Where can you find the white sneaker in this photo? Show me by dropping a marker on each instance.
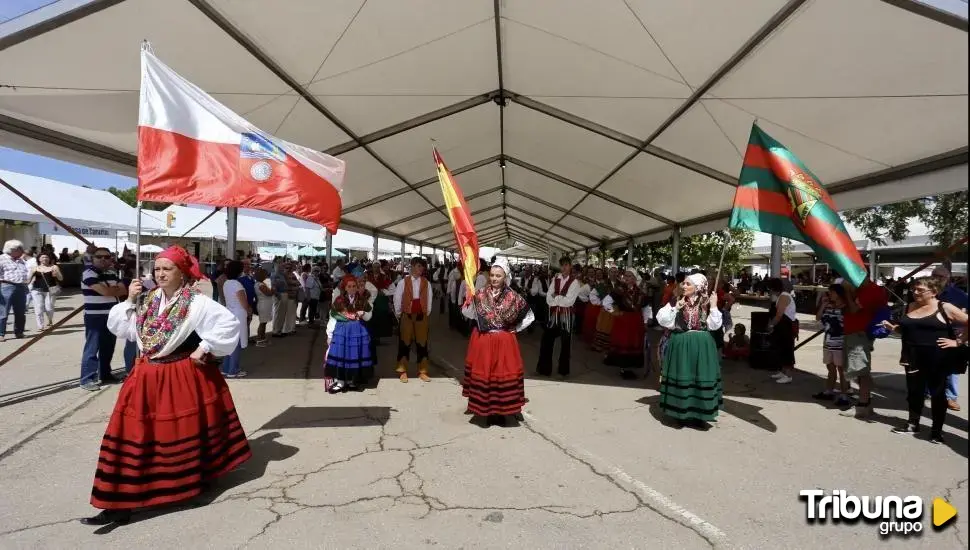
(778, 375)
(784, 379)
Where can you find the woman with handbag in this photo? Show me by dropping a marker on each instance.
(45, 281)
(934, 353)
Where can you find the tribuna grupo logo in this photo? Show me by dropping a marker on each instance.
(894, 515)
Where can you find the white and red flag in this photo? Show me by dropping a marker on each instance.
(193, 149)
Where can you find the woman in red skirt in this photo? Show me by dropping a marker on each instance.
(626, 304)
(174, 427)
(594, 307)
(495, 379)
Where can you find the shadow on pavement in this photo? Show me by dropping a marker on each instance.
(329, 417)
(265, 450)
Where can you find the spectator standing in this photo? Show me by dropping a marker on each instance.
(101, 289)
(13, 288)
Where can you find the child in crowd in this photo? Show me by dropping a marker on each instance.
(830, 314)
(349, 364)
(738, 347)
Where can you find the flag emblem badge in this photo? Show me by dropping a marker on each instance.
(257, 154)
(803, 194)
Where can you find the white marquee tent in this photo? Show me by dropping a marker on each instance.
(567, 123)
(80, 207)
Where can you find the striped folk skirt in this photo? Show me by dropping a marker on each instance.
(691, 386)
(173, 429)
(494, 380)
(604, 330)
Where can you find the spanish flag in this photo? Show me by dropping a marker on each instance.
(461, 222)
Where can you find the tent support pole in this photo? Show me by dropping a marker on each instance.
(70, 230)
(232, 217)
(329, 251)
(202, 221)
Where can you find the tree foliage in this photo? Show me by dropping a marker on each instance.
(888, 222)
(944, 215)
(703, 251)
(130, 196)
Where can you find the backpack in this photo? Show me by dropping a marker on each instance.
(875, 330)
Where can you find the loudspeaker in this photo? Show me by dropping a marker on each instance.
(762, 355)
(759, 321)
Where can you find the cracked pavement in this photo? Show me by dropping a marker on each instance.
(401, 466)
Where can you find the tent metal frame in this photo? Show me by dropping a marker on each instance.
(501, 96)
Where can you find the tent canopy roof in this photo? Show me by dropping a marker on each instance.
(567, 123)
(75, 205)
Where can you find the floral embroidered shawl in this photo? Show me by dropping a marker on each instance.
(342, 310)
(500, 312)
(156, 325)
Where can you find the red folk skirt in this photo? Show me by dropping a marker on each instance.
(626, 340)
(173, 428)
(590, 316)
(494, 376)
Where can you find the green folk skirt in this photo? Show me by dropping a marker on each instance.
(690, 388)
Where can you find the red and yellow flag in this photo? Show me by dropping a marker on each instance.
(461, 222)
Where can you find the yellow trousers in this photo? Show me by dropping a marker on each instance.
(414, 331)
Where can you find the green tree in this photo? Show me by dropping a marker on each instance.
(787, 249)
(702, 250)
(888, 222)
(130, 196)
(944, 215)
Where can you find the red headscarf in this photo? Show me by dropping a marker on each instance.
(185, 262)
(347, 280)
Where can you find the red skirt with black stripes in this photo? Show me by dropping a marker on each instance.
(174, 428)
(494, 376)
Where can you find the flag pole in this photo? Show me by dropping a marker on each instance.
(720, 264)
(138, 241)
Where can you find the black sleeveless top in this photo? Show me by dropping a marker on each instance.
(923, 331)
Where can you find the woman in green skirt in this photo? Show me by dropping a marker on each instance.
(690, 390)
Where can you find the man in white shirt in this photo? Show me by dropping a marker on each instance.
(536, 287)
(560, 300)
(412, 306)
(454, 313)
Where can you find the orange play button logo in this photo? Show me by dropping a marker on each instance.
(943, 512)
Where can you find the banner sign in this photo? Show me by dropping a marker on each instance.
(48, 228)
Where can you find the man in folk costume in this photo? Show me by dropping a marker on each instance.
(412, 306)
(454, 282)
(561, 298)
(536, 287)
(441, 282)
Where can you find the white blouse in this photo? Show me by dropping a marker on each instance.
(647, 311)
(216, 326)
(584, 292)
(667, 318)
(594, 298)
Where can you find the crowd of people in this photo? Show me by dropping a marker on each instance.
(182, 344)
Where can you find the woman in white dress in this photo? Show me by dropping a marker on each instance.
(264, 305)
(237, 302)
(174, 427)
